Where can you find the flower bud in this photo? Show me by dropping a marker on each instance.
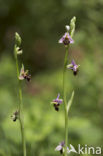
(17, 39)
(72, 26)
(67, 28)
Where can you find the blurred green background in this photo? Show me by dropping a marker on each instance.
(41, 24)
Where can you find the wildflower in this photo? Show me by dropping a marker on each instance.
(24, 74)
(60, 147)
(56, 102)
(14, 117)
(74, 67)
(19, 51)
(66, 39)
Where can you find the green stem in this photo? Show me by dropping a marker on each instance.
(64, 98)
(20, 106)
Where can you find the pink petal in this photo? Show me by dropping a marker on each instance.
(58, 148)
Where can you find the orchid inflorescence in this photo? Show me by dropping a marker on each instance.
(21, 75)
(24, 74)
(66, 40)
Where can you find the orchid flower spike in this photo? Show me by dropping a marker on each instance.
(24, 74)
(74, 67)
(57, 102)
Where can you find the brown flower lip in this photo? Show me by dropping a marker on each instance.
(15, 115)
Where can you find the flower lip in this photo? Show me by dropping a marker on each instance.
(66, 39)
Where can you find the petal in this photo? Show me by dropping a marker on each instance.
(66, 34)
(68, 150)
(60, 101)
(71, 40)
(58, 96)
(53, 102)
(22, 69)
(21, 77)
(73, 63)
(75, 68)
(70, 66)
(62, 143)
(61, 40)
(57, 101)
(58, 148)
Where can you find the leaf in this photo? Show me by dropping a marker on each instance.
(70, 102)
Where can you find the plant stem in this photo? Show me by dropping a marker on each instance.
(64, 98)
(20, 106)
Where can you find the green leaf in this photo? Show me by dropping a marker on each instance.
(70, 102)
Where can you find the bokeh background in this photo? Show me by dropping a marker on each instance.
(41, 24)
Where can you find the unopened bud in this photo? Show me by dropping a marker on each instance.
(67, 28)
(72, 26)
(17, 39)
